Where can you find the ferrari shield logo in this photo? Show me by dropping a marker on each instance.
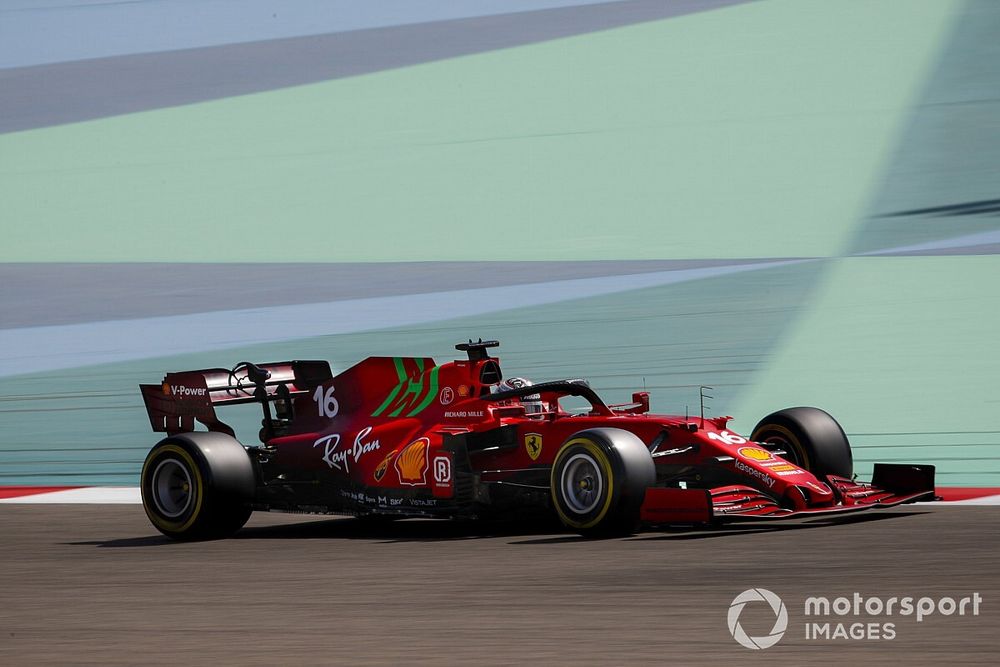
(533, 445)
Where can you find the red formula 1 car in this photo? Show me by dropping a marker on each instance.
(406, 437)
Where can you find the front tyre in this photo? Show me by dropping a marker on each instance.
(197, 486)
(811, 438)
(599, 479)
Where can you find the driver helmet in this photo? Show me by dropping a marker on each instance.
(532, 403)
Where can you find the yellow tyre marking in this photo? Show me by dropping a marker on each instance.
(790, 437)
(602, 460)
(199, 487)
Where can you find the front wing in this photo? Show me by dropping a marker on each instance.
(891, 485)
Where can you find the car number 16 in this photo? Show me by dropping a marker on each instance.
(326, 402)
(727, 437)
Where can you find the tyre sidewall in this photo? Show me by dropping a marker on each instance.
(815, 437)
(604, 463)
(188, 521)
(624, 460)
(220, 503)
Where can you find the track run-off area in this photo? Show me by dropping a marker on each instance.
(96, 584)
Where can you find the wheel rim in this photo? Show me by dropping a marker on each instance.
(172, 488)
(791, 452)
(582, 484)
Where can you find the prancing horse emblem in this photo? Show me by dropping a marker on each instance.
(533, 444)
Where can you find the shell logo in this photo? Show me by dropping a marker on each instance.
(756, 453)
(411, 463)
(166, 389)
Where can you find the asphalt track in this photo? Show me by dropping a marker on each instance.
(95, 584)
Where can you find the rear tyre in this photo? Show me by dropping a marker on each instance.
(197, 486)
(812, 439)
(599, 479)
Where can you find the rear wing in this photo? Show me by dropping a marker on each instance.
(189, 396)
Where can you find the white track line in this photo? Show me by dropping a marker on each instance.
(95, 495)
(984, 500)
